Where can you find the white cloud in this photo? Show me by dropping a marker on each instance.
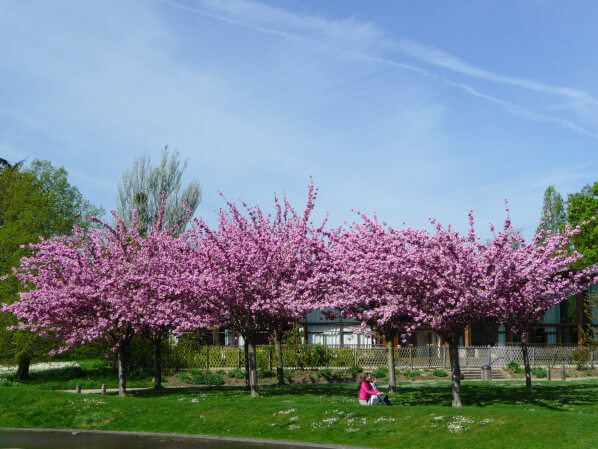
(363, 41)
(439, 58)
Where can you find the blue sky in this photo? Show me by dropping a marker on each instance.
(408, 109)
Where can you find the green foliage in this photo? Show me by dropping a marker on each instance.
(201, 378)
(553, 211)
(540, 373)
(305, 356)
(355, 370)
(342, 376)
(411, 373)
(325, 374)
(513, 367)
(37, 201)
(581, 356)
(335, 376)
(582, 206)
(380, 372)
(322, 355)
(142, 186)
(265, 373)
(439, 373)
(236, 374)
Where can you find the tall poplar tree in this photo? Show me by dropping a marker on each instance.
(142, 189)
(553, 216)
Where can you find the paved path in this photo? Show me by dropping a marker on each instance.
(115, 390)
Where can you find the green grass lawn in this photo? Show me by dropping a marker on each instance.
(91, 373)
(495, 415)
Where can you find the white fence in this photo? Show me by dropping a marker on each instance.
(374, 356)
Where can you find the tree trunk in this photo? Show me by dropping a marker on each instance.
(23, 368)
(528, 371)
(390, 358)
(246, 365)
(455, 371)
(121, 357)
(157, 363)
(278, 355)
(253, 385)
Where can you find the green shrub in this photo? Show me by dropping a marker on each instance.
(411, 373)
(321, 355)
(581, 356)
(588, 373)
(380, 372)
(265, 372)
(325, 374)
(540, 373)
(355, 370)
(342, 376)
(236, 374)
(201, 379)
(342, 357)
(209, 379)
(512, 366)
(439, 373)
(185, 377)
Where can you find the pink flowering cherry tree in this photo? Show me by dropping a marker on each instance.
(447, 287)
(165, 290)
(259, 270)
(532, 277)
(108, 284)
(367, 280)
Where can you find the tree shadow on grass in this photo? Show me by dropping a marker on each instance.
(348, 390)
(555, 396)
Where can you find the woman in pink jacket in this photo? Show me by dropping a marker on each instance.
(368, 395)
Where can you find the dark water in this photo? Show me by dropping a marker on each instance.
(55, 439)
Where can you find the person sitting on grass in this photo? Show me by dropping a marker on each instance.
(368, 395)
(382, 398)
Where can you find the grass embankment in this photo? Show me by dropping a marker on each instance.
(495, 415)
